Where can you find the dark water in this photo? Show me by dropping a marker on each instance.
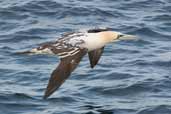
(133, 77)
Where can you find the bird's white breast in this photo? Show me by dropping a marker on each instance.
(91, 41)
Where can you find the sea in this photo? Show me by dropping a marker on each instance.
(132, 77)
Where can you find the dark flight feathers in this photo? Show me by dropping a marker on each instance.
(69, 63)
(98, 30)
(94, 56)
(66, 66)
(63, 71)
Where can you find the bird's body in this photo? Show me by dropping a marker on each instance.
(71, 48)
(70, 43)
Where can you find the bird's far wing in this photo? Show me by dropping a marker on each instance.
(96, 30)
(94, 56)
(62, 72)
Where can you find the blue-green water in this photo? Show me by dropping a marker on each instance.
(132, 77)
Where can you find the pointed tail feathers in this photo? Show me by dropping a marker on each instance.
(30, 52)
(25, 52)
(37, 51)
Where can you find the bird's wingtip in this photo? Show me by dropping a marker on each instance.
(92, 66)
(47, 94)
(45, 97)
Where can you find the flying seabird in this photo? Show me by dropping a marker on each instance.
(71, 47)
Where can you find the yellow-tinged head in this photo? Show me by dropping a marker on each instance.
(112, 36)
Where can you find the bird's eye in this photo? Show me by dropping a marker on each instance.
(120, 35)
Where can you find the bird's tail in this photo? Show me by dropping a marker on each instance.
(29, 52)
(44, 48)
(38, 50)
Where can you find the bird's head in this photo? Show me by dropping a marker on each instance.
(112, 36)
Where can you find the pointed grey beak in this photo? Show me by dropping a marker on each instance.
(128, 37)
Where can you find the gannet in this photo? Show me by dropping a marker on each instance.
(71, 47)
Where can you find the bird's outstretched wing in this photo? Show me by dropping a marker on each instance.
(63, 71)
(94, 56)
(96, 30)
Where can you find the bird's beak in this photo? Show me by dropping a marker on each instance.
(128, 37)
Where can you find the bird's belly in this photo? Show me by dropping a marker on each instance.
(92, 45)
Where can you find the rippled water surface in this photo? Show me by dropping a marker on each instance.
(132, 77)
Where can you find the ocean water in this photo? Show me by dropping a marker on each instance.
(132, 77)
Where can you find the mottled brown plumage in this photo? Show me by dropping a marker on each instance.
(71, 48)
